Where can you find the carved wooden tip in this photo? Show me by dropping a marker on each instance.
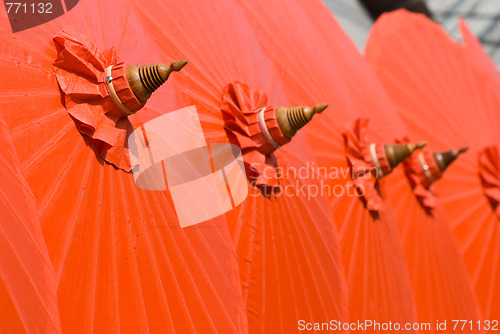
(445, 159)
(420, 145)
(319, 108)
(291, 120)
(398, 153)
(177, 65)
(144, 80)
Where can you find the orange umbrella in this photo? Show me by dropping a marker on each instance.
(290, 265)
(439, 279)
(122, 263)
(27, 280)
(318, 62)
(448, 94)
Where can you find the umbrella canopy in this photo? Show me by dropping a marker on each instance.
(122, 263)
(440, 282)
(27, 281)
(448, 94)
(318, 62)
(290, 265)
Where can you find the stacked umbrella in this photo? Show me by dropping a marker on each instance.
(448, 93)
(121, 261)
(117, 250)
(328, 68)
(285, 240)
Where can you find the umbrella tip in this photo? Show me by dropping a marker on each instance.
(420, 145)
(398, 153)
(146, 79)
(319, 108)
(445, 159)
(291, 120)
(463, 150)
(177, 65)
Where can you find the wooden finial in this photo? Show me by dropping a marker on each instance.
(400, 152)
(144, 80)
(444, 159)
(290, 120)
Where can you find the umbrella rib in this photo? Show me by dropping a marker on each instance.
(490, 235)
(41, 118)
(48, 197)
(25, 270)
(164, 253)
(473, 233)
(330, 227)
(494, 269)
(75, 213)
(19, 218)
(300, 233)
(365, 226)
(114, 251)
(251, 241)
(220, 271)
(126, 208)
(97, 237)
(344, 232)
(43, 152)
(263, 254)
(285, 238)
(202, 268)
(373, 231)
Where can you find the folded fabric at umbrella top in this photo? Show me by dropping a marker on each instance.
(100, 93)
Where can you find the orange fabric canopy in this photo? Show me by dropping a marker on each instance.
(448, 94)
(319, 64)
(27, 281)
(287, 245)
(122, 263)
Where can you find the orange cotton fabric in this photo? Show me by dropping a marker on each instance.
(240, 107)
(80, 71)
(419, 182)
(489, 172)
(363, 169)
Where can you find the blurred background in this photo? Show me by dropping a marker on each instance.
(482, 16)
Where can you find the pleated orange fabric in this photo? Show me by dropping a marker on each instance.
(318, 62)
(450, 98)
(80, 71)
(122, 263)
(241, 107)
(364, 170)
(28, 286)
(489, 172)
(290, 264)
(421, 180)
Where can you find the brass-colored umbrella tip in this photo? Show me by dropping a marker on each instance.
(291, 120)
(420, 145)
(319, 108)
(177, 65)
(417, 146)
(146, 79)
(445, 159)
(463, 150)
(398, 153)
